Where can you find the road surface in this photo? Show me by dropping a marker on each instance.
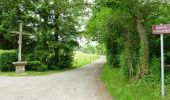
(78, 84)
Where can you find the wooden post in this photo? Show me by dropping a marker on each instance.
(76, 61)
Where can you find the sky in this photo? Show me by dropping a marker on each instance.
(90, 1)
(82, 40)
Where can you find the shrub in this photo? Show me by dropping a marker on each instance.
(155, 67)
(36, 66)
(6, 59)
(66, 60)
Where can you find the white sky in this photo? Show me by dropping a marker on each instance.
(82, 40)
(90, 1)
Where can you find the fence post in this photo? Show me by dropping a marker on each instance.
(76, 61)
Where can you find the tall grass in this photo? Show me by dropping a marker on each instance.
(121, 89)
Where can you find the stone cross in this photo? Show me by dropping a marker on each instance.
(19, 42)
(20, 65)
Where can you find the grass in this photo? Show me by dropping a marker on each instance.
(80, 59)
(121, 89)
(33, 73)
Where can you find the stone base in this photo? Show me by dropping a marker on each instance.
(19, 67)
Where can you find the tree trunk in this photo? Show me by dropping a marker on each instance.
(144, 47)
(128, 45)
(56, 36)
(56, 50)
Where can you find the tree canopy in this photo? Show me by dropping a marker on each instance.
(52, 23)
(124, 26)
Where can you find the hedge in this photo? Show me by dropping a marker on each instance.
(36, 66)
(6, 59)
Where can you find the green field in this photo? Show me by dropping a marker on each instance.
(121, 89)
(80, 59)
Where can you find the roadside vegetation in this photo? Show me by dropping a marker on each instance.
(133, 52)
(53, 27)
(80, 59)
(123, 89)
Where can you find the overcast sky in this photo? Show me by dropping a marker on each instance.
(82, 41)
(90, 1)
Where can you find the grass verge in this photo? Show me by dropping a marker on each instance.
(121, 89)
(34, 73)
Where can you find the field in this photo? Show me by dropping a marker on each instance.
(121, 89)
(80, 59)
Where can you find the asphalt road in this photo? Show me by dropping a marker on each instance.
(78, 84)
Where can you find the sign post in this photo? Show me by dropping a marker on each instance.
(162, 65)
(161, 29)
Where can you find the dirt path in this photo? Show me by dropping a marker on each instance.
(78, 84)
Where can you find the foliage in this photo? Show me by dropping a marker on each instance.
(155, 67)
(32, 67)
(53, 25)
(6, 59)
(36, 66)
(124, 26)
(125, 29)
(121, 89)
(100, 49)
(88, 49)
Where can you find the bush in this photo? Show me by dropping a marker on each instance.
(155, 67)
(36, 66)
(41, 68)
(51, 64)
(6, 59)
(66, 60)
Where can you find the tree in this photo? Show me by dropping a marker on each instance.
(53, 24)
(123, 26)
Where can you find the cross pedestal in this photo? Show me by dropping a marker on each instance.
(19, 67)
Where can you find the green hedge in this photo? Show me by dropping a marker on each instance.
(6, 59)
(36, 66)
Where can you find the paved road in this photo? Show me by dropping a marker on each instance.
(78, 84)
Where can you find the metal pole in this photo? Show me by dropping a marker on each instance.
(20, 43)
(162, 64)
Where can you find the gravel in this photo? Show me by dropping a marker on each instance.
(78, 84)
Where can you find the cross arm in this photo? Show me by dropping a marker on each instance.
(15, 32)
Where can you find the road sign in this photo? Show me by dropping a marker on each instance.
(161, 29)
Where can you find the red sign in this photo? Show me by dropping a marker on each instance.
(160, 29)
